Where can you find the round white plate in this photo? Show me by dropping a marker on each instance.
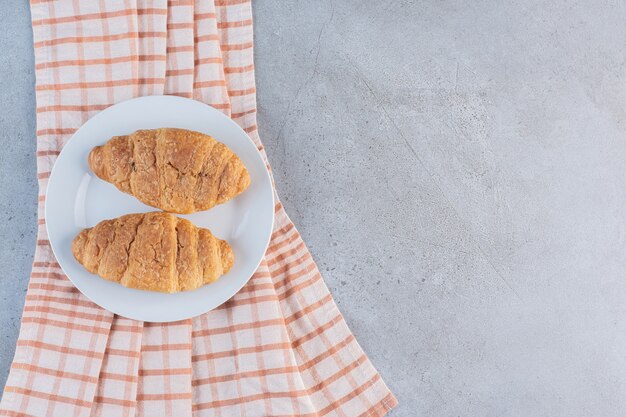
(77, 199)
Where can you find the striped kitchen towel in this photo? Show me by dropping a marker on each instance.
(280, 347)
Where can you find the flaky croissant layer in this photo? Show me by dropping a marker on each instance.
(153, 251)
(175, 170)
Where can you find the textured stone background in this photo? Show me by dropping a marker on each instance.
(458, 170)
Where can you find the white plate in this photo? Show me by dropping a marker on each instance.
(77, 199)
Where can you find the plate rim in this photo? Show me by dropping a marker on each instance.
(178, 99)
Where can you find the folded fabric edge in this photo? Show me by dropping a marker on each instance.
(382, 407)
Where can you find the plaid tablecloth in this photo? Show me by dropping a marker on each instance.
(280, 347)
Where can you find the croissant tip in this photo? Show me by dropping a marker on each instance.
(96, 161)
(78, 245)
(245, 180)
(228, 257)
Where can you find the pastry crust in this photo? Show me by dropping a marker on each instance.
(153, 251)
(175, 170)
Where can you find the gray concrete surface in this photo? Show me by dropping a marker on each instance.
(458, 170)
(18, 171)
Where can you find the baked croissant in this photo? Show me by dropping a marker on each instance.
(175, 170)
(153, 251)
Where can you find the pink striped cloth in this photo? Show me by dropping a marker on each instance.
(280, 347)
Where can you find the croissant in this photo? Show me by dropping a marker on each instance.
(153, 251)
(175, 170)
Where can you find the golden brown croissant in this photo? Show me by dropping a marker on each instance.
(153, 251)
(175, 170)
